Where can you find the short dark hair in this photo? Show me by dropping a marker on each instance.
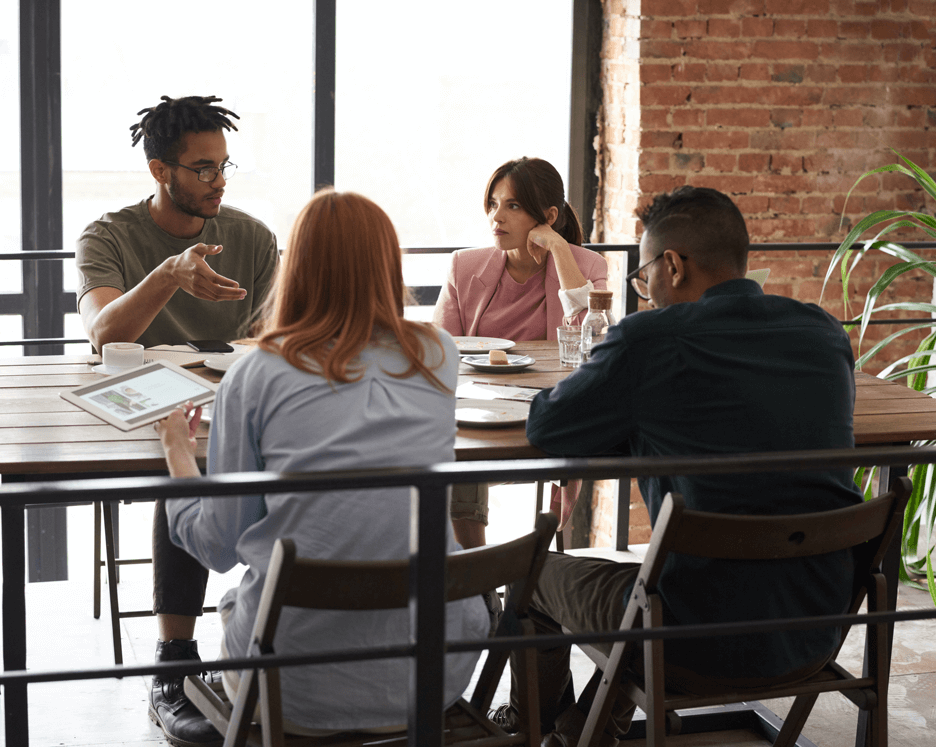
(705, 221)
(163, 125)
(538, 187)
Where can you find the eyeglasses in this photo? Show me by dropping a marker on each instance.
(639, 284)
(210, 173)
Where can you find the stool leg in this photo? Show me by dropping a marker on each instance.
(97, 560)
(110, 552)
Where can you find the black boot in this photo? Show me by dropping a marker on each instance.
(169, 708)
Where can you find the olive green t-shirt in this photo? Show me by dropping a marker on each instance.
(120, 249)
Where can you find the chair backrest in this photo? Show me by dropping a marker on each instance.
(868, 528)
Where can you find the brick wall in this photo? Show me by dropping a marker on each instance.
(782, 104)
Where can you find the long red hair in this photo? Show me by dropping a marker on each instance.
(341, 276)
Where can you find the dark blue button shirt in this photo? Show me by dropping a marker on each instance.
(737, 371)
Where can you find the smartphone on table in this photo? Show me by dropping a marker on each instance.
(210, 346)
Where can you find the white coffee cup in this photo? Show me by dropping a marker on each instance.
(122, 355)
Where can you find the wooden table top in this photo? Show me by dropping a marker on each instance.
(40, 433)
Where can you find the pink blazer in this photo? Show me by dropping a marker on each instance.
(473, 278)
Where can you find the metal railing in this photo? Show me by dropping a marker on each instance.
(428, 645)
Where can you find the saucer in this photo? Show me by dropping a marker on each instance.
(114, 370)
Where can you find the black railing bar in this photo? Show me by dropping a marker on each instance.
(703, 630)
(525, 470)
(46, 341)
(857, 322)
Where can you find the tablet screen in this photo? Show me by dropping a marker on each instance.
(143, 395)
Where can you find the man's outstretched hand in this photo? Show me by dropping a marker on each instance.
(193, 275)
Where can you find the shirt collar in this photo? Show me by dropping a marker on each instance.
(737, 287)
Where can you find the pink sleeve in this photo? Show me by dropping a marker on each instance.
(446, 314)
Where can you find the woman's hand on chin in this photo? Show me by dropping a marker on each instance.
(542, 239)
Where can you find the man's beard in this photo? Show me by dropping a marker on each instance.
(184, 202)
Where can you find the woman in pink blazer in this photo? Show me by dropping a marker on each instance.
(534, 278)
(535, 275)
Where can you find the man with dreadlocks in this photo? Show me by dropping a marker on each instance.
(176, 266)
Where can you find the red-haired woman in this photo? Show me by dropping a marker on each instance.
(534, 277)
(340, 381)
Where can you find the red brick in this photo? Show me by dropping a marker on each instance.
(854, 30)
(882, 29)
(717, 50)
(727, 184)
(657, 139)
(816, 204)
(752, 27)
(901, 52)
(691, 29)
(780, 162)
(654, 183)
(655, 119)
(797, 7)
(752, 204)
(784, 118)
(782, 183)
(692, 117)
(737, 118)
(706, 95)
(786, 50)
(691, 73)
(915, 74)
(788, 73)
(865, 9)
(853, 73)
(715, 140)
(885, 73)
(849, 117)
(773, 140)
(724, 162)
(724, 7)
(678, 8)
(791, 96)
(836, 51)
(688, 161)
(753, 71)
(850, 95)
(788, 27)
(821, 73)
(662, 95)
(920, 30)
(837, 182)
(754, 162)
(877, 116)
(652, 160)
(724, 28)
(836, 139)
(910, 96)
(655, 48)
(821, 28)
(655, 73)
(922, 8)
(652, 29)
(903, 140)
(913, 118)
(817, 117)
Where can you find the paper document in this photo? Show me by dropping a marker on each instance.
(474, 390)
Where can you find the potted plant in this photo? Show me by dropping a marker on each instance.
(916, 541)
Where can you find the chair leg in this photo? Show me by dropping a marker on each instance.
(795, 720)
(654, 679)
(111, 553)
(97, 560)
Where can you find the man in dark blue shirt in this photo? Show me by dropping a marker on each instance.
(715, 367)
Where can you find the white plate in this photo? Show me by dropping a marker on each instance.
(222, 363)
(481, 344)
(483, 363)
(481, 413)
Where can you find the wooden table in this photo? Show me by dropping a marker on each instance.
(42, 435)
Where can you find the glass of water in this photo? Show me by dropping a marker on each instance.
(570, 345)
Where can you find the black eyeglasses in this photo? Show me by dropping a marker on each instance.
(639, 284)
(210, 173)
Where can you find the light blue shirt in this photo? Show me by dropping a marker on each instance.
(270, 416)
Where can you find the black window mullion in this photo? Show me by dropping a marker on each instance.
(323, 104)
(41, 168)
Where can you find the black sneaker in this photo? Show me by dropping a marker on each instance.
(506, 718)
(170, 709)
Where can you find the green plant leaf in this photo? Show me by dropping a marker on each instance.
(865, 357)
(890, 274)
(921, 177)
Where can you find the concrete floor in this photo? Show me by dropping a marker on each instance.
(110, 713)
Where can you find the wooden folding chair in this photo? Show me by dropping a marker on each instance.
(336, 585)
(868, 528)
